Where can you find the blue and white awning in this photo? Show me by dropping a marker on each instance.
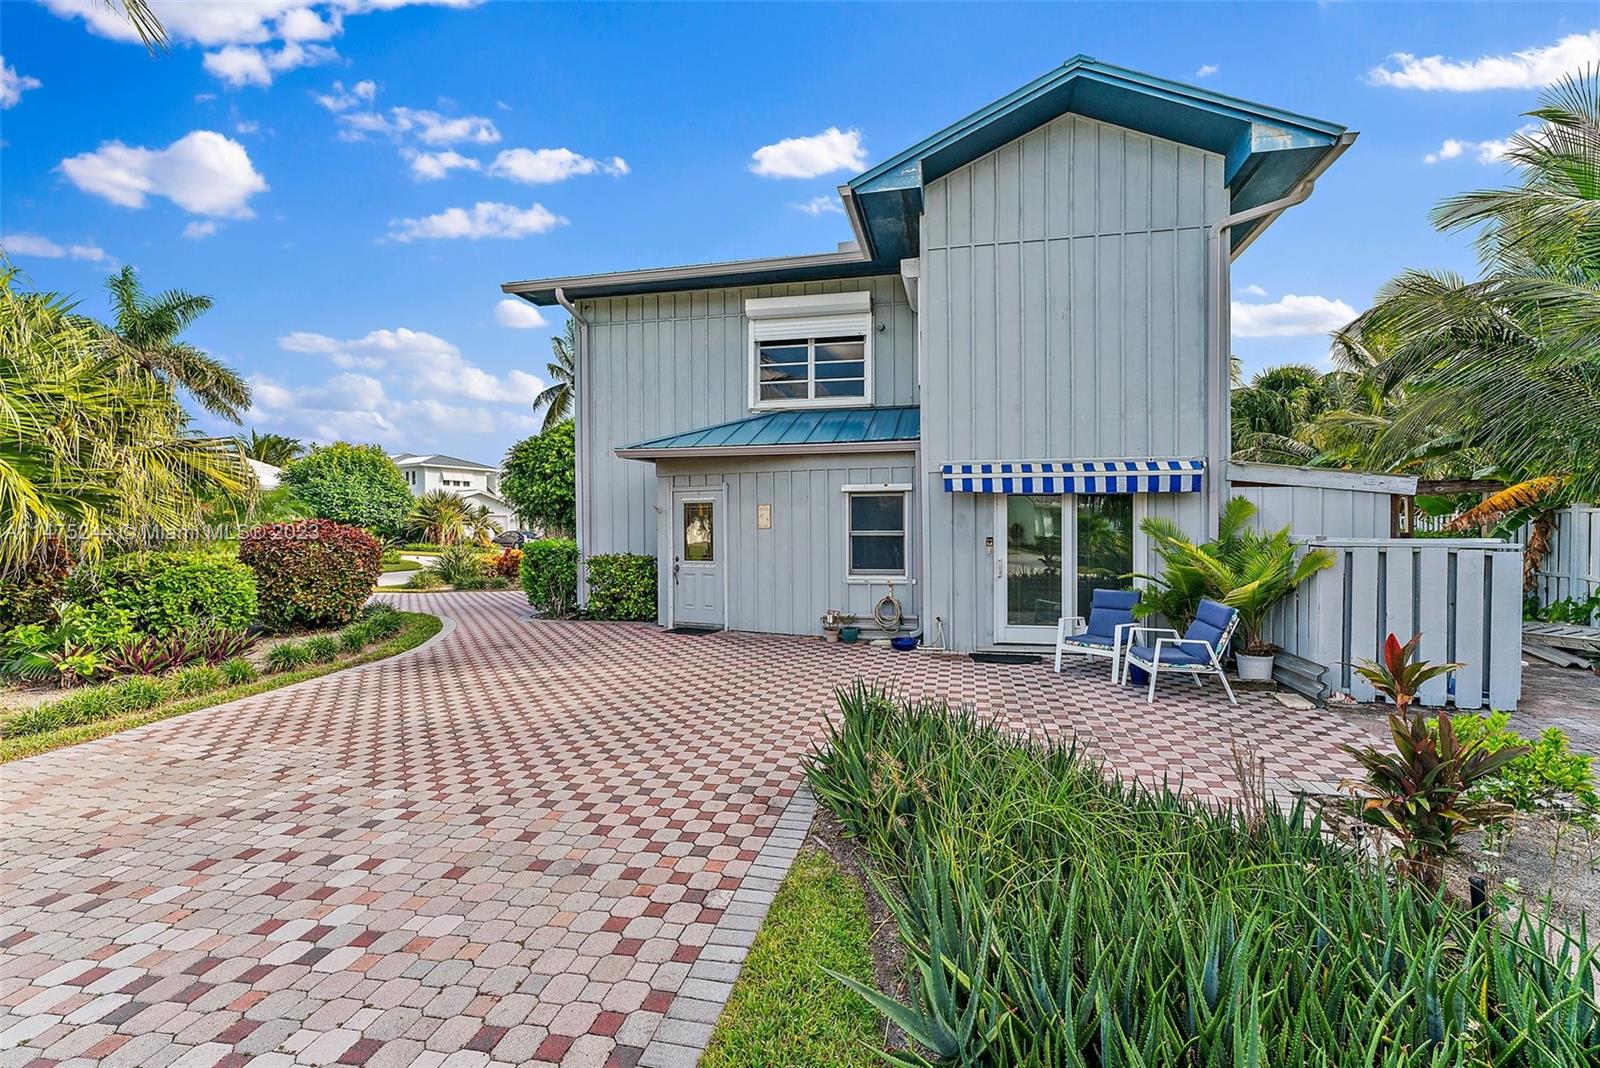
(1076, 476)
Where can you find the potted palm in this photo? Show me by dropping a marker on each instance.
(1242, 567)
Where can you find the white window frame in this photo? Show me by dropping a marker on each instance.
(887, 489)
(809, 317)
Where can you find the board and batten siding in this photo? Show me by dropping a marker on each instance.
(1062, 316)
(1318, 511)
(782, 579)
(671, 362)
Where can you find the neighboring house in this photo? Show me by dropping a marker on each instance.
(475, 482)
(267, 476)
(1023, 354)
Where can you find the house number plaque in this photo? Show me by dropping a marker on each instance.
(763, 517)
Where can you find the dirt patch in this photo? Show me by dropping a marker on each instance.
(888, 952)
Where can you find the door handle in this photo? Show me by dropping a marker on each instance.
(675, 565)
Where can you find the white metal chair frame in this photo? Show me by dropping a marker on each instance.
(1193, 670)
(1122, 636)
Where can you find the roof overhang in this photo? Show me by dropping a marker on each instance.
(1241, 473)
(696, 453)
(1266, 152)
(791, 431)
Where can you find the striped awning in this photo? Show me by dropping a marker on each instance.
(1076, 476)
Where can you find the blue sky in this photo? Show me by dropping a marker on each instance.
(351, 180)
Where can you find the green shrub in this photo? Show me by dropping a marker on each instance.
(622, 586)
(425, 579)
(168, 592)
(28, 593)
(137, 693)
(358, 485)
(382, 621)
(1054, 916)
(550, 575)
(312, 573)
(354, 638)
(238, 671)
(323, 648)
(196, 680)
(461, 566)
(289, 656)
(1550, 778)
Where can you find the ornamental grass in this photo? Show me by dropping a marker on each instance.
(1055, 916)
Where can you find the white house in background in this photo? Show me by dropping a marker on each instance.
(476, 483)
(267, 476)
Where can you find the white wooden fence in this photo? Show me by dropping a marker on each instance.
(1572, 566)
(1464, 596)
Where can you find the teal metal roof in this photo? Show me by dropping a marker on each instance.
(828, 430)
(1267, 152)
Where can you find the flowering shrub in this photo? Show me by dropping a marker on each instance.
(508, 564)
(311, 573)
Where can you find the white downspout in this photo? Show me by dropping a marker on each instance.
(1220, 336)
(578, 424)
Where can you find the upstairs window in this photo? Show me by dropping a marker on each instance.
(811, 352)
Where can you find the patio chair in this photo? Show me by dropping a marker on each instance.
(1198, 652)
(1104, 633)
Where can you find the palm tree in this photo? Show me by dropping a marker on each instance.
(556, 398)
(91, 446)
(439, 516)
(145, 330)
(481, 524)
(274, 449)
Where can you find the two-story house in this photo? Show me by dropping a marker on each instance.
(1022, 354)
(478, 484)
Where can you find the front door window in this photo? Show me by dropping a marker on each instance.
(699, 535)
(1033, 561)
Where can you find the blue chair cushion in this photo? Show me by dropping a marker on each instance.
(1211, 618)
(1107, 609)
(1170, 654)
(1099, 641)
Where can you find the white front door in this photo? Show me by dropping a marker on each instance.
(1051, 552)
(698, 546)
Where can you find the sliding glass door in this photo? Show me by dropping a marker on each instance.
(1052, 553)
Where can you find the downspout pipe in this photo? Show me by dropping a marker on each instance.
(1218, 341)
(579, 423)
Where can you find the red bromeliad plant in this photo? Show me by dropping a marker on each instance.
(1417, 791)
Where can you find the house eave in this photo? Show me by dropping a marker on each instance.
(805, 449)
(1243, 473)
(813, 267)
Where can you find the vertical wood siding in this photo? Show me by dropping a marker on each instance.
(672, 362)
(1062, 314)
(782, 579)
(1318, 512)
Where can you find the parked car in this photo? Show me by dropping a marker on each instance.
(513, 539)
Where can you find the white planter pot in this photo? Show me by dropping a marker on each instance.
(1253, 668)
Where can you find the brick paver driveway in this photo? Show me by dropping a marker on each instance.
(513, 845)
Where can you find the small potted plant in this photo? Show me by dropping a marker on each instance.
(835, 621)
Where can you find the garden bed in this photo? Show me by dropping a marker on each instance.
(415, 628)
(1053, 915)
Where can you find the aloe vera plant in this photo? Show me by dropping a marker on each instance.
(1056, 917)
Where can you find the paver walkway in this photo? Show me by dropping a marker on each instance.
(513, 845)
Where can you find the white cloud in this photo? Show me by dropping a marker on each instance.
(820, 206)
(1490, 151)
(202, 172)
(808, 157)
(1531, 68)
(13, 85)
(517, 314)
(428, 127)
(484, 219)
(417, 362)
(1254, 291)
(546, 165)
(241, 65)
(338, 98)
(1207, 70)
(43, 247)
(1290, 316)
(430, 166)
(241, 31)
(197, 230)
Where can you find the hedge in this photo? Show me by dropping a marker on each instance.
(312, 573)
(550, 575)
(165, 593)
(622, 586)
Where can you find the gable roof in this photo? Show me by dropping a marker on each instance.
(1267, 152)
(438, 459)
(812, 431)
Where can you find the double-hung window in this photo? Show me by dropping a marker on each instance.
(877, 532)
(811, 352)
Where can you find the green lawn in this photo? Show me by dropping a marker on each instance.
(403, 565)
(418, 629)
(785, 1011)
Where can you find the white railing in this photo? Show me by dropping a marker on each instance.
(1464, 596)
(1572, 566)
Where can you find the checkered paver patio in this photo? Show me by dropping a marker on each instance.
(524, 843)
